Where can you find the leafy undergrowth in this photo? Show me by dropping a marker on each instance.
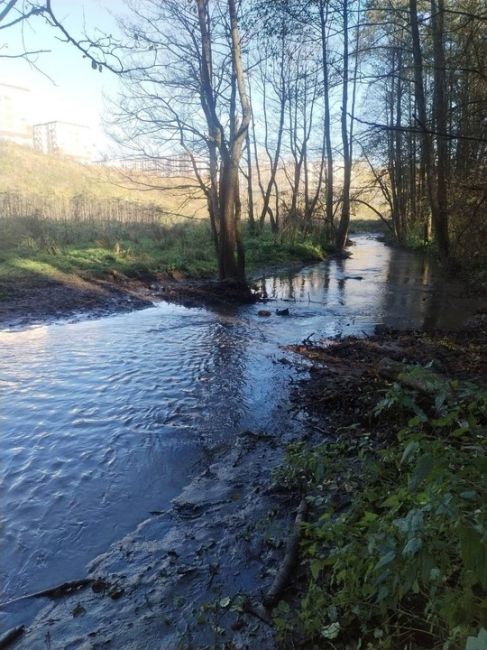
(394, 554)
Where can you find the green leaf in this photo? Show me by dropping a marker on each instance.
(478, 642)
(368, 517)
(383, 594)
(315, 568)
(330, 631)
(392, 501)
(423, 469)
(435, 574)
(412, 547)
(385, 559)
(410, 449)
(474, 553)
(469, 495)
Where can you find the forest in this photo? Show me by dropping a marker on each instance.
(294, 116)
(276, 104)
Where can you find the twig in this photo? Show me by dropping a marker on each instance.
(10, 636)
(258, 611)
(52, 592)
(290, 558)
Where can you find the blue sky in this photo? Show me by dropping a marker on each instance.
(63, 84)
(69, 90)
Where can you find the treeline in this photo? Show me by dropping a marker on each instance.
(307, 87)
(79, 208)
(429, 124)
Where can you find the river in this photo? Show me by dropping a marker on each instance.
(103, 421)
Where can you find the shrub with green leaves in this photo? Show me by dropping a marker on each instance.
(404, 565)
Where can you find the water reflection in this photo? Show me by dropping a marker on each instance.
(378, 285)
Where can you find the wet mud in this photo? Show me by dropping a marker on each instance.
(43, 301)
(187, 577)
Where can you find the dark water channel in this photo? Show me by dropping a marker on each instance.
(103, 421)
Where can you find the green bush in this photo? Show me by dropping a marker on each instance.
(405, 565)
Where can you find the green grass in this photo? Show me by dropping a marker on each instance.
(60, 183)
(266, 249)
(34, 249)
(61, 218)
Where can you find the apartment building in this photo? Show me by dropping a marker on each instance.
(65, 138)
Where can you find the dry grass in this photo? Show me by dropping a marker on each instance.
(58, 181)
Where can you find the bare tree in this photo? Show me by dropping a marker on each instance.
(186, 93)
(347, 119)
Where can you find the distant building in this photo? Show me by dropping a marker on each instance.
(65, 138)
(14, 107)
(173, 165)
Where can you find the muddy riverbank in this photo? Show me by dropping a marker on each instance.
(184, 577)
(74, 298)
(41, 299)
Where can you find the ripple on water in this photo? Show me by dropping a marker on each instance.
(102, 421)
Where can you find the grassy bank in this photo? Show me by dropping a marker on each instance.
(60, 218)
(33, 250)
(394, 553)
(58, 186)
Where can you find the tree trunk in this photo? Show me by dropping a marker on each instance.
(440, 108)
(427, 142)
(229, 249)
(327, 121)
(250, 192)
(342, 232)
(275, 160)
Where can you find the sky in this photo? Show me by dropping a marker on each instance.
(63, 84)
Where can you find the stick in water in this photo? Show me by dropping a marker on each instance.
(287, 566)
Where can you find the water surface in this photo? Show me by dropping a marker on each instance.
(103, 421)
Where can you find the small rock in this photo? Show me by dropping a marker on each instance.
(264, 313)
(282, 312)
(116, 593)
(284, 361)
(98, 586)
(79, 610)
